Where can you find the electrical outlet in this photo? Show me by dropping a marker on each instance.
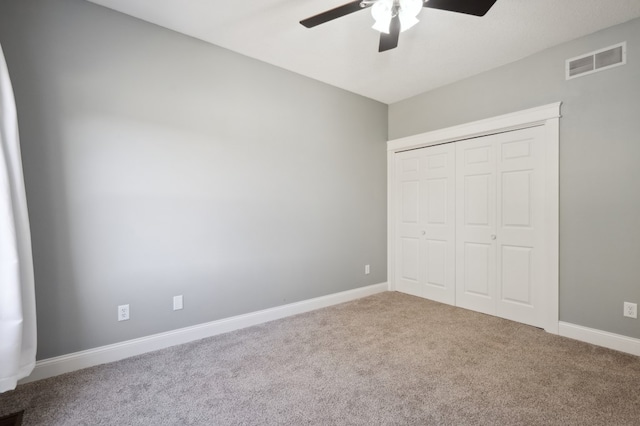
(630, 310)
(367, 269)
(123, 312)
(177, 303)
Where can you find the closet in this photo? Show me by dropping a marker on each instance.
(474, 220)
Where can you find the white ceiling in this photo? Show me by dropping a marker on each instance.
(444, 47)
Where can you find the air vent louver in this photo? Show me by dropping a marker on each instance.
(599, 60)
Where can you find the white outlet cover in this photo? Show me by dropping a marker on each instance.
(123, 312)
(177, 303)
(630, 310)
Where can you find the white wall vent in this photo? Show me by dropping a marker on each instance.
(599, 60)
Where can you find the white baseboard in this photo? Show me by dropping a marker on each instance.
(601, 338)
(79, 360)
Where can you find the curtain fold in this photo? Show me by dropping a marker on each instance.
(17, 292)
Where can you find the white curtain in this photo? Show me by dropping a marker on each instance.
(17, 293)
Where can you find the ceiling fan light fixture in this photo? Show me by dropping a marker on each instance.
(383, 11)
(382, 25)
(407, 21)
(408, 11)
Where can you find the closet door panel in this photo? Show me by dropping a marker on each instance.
(439, 223)
(425, 208)
(516, 275)
(477, 276)
(476, 224)
(408, 211)
(520, 225)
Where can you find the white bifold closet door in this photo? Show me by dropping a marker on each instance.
(470, 224)
(500, 225)
(425, 263)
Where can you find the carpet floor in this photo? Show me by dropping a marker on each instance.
(388, 359)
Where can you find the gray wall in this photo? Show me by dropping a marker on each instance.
(599, 170)
(158, 165)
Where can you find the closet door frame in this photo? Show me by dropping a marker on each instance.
(547, 116)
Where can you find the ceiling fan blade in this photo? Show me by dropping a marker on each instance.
(390, 41)
(335, 13)
(470, 7)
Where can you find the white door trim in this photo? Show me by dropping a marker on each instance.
(547, 116)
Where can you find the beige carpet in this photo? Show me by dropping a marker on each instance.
(389, 359)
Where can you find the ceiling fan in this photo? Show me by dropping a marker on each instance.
(394, 16)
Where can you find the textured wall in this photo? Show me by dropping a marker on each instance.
(599, 157)
(159, 165)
